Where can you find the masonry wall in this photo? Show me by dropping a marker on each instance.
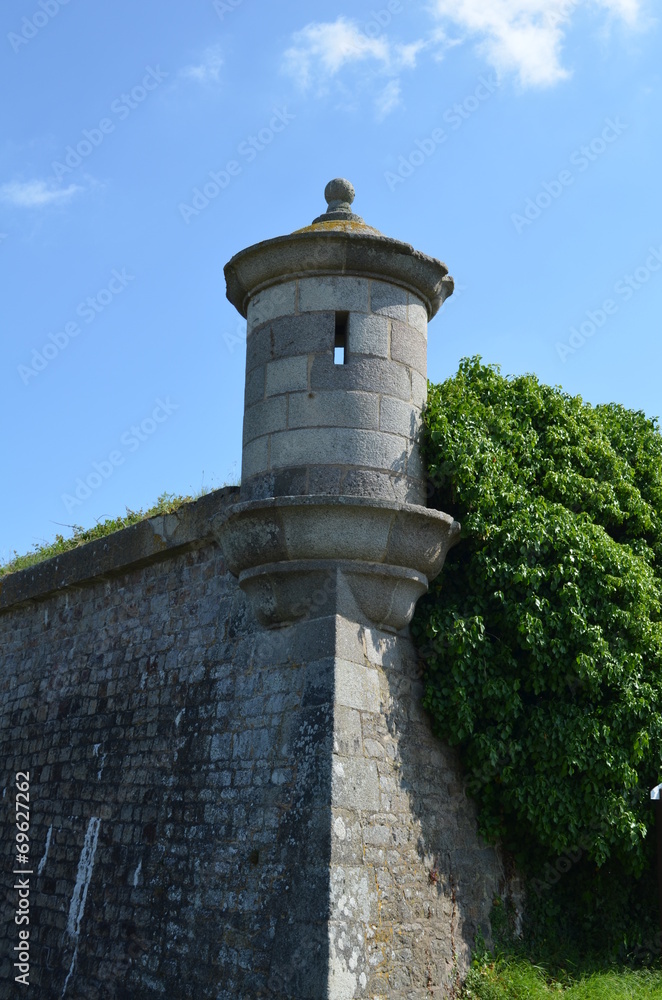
(411, 883)
(219, 811)
(315, 427)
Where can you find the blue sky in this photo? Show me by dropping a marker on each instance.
(519, 141)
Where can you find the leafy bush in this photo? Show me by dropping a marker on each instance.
(543, 634)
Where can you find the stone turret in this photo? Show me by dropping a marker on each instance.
(336, 360)
(332, 478)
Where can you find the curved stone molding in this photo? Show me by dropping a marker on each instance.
(359, 251)
(368, 560)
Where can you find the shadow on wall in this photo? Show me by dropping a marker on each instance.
(448, 875)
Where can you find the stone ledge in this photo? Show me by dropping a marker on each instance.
(312, 253)
(151, 540)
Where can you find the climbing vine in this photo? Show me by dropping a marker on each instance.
(543, 635)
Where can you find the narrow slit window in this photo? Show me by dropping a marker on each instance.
(340, 342)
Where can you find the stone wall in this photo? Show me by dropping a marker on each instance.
(411, 883)
(315, 427)
(218, 810)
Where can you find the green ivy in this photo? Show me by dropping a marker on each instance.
(543, 634)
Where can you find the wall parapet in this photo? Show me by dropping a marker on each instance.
(148, 541)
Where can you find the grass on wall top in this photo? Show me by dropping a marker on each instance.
(167, 503)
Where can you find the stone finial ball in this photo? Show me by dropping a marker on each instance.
(339, 190)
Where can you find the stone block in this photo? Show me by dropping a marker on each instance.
(409, 347)
(346, 838)
(350, 643)
(287, 375)
(347, 738)
(399, 417)
(255, 457)
(378, 835)
(355, 784)
(334, 409)
(338, 445)
(318, 687)
(264, 417)
(254, 391)
(419, 389)
(306, 641)
(333, 292)
(361, 374)
(395, 485)
(415, 465)
(353, 895)
(357, 686)
(257, 487)
(324, 480)
(417, 315)
(289, 483)
(312, 333)
(368, 334)
(394, 653)
(279, 300)
(388, 300)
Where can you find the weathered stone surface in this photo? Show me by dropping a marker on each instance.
(333, 292)
(265, 417)
(312, 253)
(388, 300)
(333, 409)
(287, 375)
(297, 395)
(255, 457)
(147, 702)
(232, 859)
(395, 931)
(290, 335)
(398, 417)
(288, 528)
(279, 300)
(361, 373)
(369, 560)
(368, 335)
(409, 347)
(347, 445)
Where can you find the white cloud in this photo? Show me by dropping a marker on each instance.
(526, 36)
(629, 10)
(406, 55)
(388, 100)
(36, 194)
(322, 49)
(208, 70)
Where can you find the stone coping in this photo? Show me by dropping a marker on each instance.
(363, 529)
(148, 541)
(338, 501)
(359, 253)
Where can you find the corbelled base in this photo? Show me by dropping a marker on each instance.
(282, 593)
(368, 560)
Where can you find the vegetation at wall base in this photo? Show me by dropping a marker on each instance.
(542, 640)
(516, 979)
